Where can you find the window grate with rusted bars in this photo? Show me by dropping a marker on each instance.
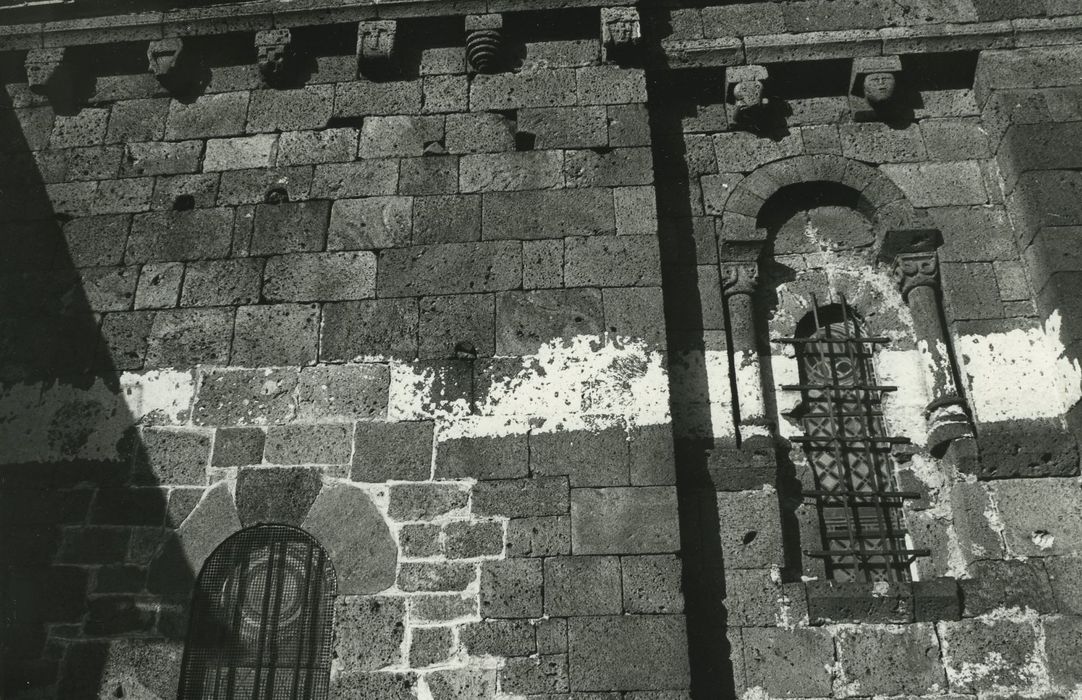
(260, 627)
(857, 500)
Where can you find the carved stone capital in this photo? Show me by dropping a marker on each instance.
(912, 270)
(274, 48)
(377, 44)
(873, 86)
(485, 42)
(621, 32)
(739, 278)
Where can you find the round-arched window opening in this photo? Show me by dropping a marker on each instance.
(261, 619)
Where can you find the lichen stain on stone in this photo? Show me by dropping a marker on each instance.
(586, 382)
(1023, 373)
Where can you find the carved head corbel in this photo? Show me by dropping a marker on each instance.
(165, 59)
(873, 86)
(744, 94)
(377, 45)
(621, 32)
(274, 49)
(47, 73)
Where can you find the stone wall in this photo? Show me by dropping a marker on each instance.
(505, 342)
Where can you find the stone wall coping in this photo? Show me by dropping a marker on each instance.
(721, 51)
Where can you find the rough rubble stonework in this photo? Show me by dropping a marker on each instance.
(487, 298)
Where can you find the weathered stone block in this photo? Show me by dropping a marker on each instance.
(483, 458)
(610, 85)
(370, 223)
(565, 127)
(542, 674)
(435, 576)
(238, 447)
(612, 168)
(359, 98)
(1065, 574)
(1063, 638)
(1027, 448)
(399, 136)
(290, 227)
(172, 236)
(326, 146)
(652, 584)
(442, 607)
(503, 91)
(629, 125)
(653, 462)
(245, 397)
(589, 458)
(419, 540)
(279, 334)
(425, 501)
(967, 649)
(307, 444)
(252, 186)
(539, 537)
(607, 653)
(858, 601)
(612, 261)
(499, 638)
(172, 192)
(880, 143)
(582, 585)
(913, 651)
(343, 392)
(469, 540)
(320, 277)
(637, 520)
(379, 328)
(519, 498)
(448, 321)
(749, 529)
(636, 211)
(208, 116)
(479, 132)
(392, 451)
(1010, 583)
(222, 282)
(527, 321)
(276, 495)
(542, 264)
(159, 285)
(511, 588)
(429, 175)
(288, 110)
(451, 268)
(940, 184)
(240, 152)
(162, 158)
(1042, 517)
(446, 93)
(789, 662)
(636, 313)
(369, 631)
(362, 178)
(87, 128)
(551, 635)
(502, 172)
(446, 219)
(548, 214)
(137, 120)
(184, 338)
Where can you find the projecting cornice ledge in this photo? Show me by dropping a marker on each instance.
(249, 16)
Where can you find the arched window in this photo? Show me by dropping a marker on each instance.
(848, 450)
(261, 619)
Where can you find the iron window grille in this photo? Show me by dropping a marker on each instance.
(260, 626)
(857, 500)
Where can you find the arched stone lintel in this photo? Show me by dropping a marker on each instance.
(879, 198)
(356, 537)
(212, 522)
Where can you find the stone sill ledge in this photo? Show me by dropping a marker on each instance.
(934, 600)
(721, 51)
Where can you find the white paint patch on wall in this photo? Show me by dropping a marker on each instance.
(904, 408)
(1020, 374)
(586, 382)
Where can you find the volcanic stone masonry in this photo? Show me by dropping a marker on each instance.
(541, 350)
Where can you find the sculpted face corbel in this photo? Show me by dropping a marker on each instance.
(274, 49)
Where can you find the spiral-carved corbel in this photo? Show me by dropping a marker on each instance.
(485, 42)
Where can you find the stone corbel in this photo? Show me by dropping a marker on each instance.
(621, 33)
(377, 46)
(873, 87)
(485, 43)
(915, 270)
(744, 100)
(739, 280)
(275, 54)
(48, 73)
(166, 60)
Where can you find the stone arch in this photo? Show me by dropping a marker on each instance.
(341, 517)
(878, 198)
